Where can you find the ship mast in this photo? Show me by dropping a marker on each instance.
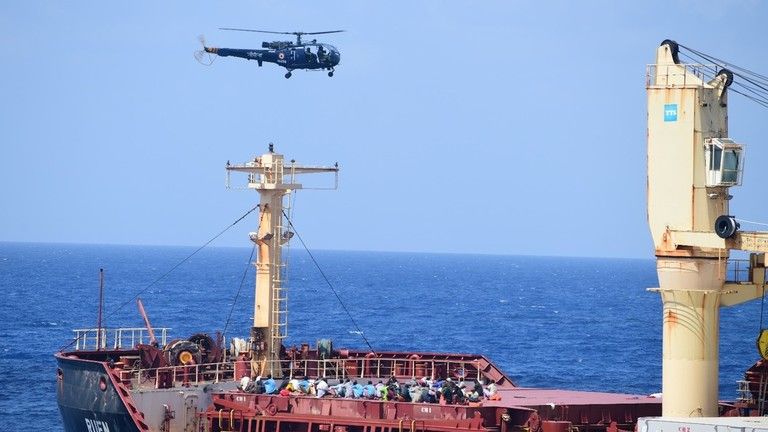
(691, 166)
(273, 179)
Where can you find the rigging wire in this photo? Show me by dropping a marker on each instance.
(242, 280)
(760, 97)
(322, 273)
(758, 101)
(757, 83)
(164, 275)
(751, 222)
(716, 60)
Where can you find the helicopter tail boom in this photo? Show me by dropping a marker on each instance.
(248, 54)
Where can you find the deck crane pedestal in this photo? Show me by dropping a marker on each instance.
(692, 163)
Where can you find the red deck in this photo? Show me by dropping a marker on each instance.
(519, 409)
(540, 397)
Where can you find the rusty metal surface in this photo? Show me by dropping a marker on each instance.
(539, 410)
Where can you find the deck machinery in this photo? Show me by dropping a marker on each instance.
(692, 164)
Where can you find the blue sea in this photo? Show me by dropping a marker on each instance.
(575, 323)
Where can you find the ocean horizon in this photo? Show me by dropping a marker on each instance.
(555, 322)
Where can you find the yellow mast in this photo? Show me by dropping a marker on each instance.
(273, 179)
(691, 166)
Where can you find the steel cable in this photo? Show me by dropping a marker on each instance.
(164, 275)
(758, 82)
(242, 280)
(322, 273)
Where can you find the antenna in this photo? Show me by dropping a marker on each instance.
(101, 307)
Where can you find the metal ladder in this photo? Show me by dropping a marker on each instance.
(279, 330)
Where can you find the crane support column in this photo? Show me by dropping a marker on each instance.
(690, 292)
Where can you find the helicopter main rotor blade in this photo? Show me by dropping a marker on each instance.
(324, 32)
(255, 31)
(276, 32)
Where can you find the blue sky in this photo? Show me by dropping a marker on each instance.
(470, 127)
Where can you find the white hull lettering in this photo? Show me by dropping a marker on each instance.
(96, 425)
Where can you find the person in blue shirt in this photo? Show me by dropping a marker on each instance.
(369, 391)
(269, 385)
(304, 385)
(357, 390)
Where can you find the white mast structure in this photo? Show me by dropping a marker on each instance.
(691, 166)
(274, 180)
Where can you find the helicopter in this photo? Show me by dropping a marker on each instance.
(312, 55)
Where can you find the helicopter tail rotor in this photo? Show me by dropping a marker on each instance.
(204, 56)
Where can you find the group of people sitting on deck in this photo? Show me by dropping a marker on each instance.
(424, 390)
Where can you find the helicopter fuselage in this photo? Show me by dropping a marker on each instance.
(309, 56)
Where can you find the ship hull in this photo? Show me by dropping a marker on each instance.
(88, 400)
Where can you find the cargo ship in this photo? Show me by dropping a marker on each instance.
(140, 379)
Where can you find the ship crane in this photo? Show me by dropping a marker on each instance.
(692, 164)
(274, 180)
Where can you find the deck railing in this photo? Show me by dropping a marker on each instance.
(673, 75)
(737, 270)
(119, 338)
(332, 369)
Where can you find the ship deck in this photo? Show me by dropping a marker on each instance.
(153, 393)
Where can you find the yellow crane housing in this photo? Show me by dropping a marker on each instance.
(692, 164)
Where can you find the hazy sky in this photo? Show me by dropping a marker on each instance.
(484, 127)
